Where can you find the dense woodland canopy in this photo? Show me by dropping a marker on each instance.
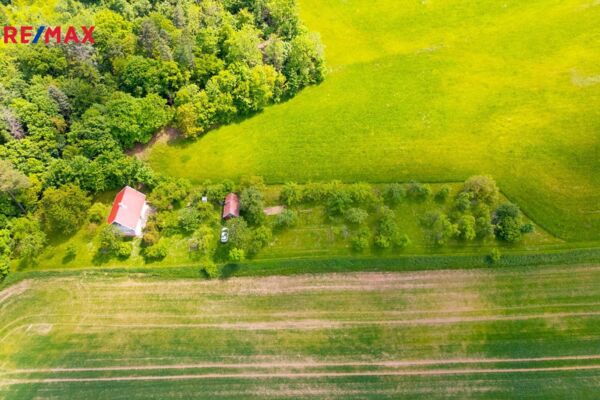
(69, 112)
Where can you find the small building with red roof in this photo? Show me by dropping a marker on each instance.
(231, 207)
(129, 212)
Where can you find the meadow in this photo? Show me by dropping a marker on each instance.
(485, 333)
(434, 91)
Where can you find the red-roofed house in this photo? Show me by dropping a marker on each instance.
(231, 208)
(129, 212)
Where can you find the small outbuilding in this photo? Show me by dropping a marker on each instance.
(129, 212)
(231, 206)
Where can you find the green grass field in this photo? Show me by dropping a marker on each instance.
(486, 333)
(435, 91)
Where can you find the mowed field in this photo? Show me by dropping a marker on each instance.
(435, 91)
(488, 333)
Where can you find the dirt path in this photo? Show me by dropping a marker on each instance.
(165, 136)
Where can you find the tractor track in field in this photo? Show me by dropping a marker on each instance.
(306, 364)
(298, 324)
(302, 375)
(308, 324)
(361, 281)
(14, 290)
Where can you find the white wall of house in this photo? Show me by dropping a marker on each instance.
(146, 210)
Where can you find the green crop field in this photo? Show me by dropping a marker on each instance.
(435, 91)
(487, 333)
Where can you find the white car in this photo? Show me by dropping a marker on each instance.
(224, 235)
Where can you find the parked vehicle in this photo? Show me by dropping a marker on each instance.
(224, 235)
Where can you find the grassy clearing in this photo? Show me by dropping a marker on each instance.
(435, 92)
(317, 235)
(477, 333)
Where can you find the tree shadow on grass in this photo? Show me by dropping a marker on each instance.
(229, 270)
(67, 258)
(101, 257)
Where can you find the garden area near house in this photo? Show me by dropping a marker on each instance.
(317, 220)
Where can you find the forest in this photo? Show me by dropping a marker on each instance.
(69, 112)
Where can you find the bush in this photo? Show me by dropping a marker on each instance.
(442, 195)
(483, 189)
(361, 240)
(509, 230)
(509, 223)
(124, 250)
(394, 193)
(97, 213)
(4, 267)
(151, 234)
(207, 214)
(466, 227)
(382, 241)
(356, 216)
(386, 223)
(441, 229)
(109, 240)
(401, 241)
(156, 252)
(388, 234)
(494, 256)
(202, 243)
(64, 209)
(252, 205)
(287, 219)
(167, 222)
(483, 226)
(217, 192)
(240, 235)
(169, 193)
(463, 201)
(418, 191)
(507, 210)
(527, 228)
(315, 192)
(339, 201)
(361, 193)
(291, 194)
(236, 255)
(261, 237)
(28, 239)
(188, 220)
(210, 268)
(253, 181)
